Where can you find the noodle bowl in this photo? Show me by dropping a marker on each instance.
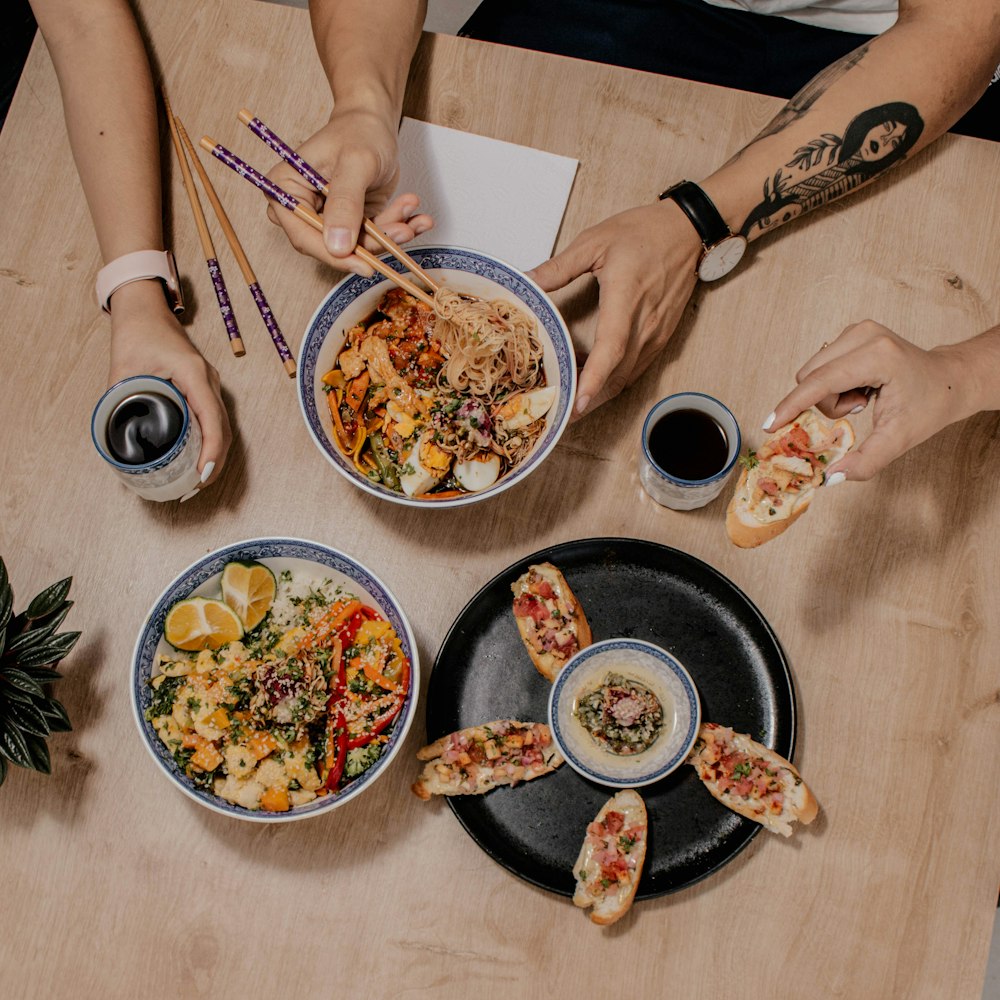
(438, 407)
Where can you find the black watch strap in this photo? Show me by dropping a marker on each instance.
(698, 207)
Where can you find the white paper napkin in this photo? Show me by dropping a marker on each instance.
(485, 194)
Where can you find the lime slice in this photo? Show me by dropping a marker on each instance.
(201, 623)
(249, 589)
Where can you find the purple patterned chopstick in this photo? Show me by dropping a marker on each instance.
(255, 177)
(270, 139)
(225, 307)
(272, 326)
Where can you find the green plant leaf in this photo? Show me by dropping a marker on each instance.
(49, 599)
(6, 600)
(43, 675)
(39, 751)
(27, 631)
(27, 718)
(8, 692)
(56, 714)
(20, 681)
(54, 648)
(3, 770)
(13, 745)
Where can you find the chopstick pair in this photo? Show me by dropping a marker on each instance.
(308, 215)
(183, 143)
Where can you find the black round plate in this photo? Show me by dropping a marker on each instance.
(641, 590)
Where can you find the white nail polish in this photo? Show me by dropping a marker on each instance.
(858, 408)
(207, 471)
(835, 480)
(766, 426)
(187, 496)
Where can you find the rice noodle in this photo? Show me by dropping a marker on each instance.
(490, 345)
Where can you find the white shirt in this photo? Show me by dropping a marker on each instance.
(865, 17)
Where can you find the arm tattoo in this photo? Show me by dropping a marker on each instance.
(830, 165)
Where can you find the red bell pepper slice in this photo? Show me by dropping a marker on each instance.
(336, 752)
(377, 726)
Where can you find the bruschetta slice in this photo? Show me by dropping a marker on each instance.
(779, 480)
(549, 618)
(752, 779)
(609, 866)
(478, 759)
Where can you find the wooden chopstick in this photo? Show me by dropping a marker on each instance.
(280, 344)
(319, 182)
(214, 271)
(307, 215)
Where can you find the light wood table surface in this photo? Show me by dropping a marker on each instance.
(884, 597)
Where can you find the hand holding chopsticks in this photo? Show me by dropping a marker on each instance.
(309, 216)
(272, 140)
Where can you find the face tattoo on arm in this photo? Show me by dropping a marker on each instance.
(833, 166)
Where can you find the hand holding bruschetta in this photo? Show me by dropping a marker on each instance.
(917, 392)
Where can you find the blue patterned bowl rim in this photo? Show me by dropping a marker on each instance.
(666, 661)
(551, 324)
(211, 565)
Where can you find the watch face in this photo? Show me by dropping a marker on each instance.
(721, 258)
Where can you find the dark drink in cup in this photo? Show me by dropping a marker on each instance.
(144, 427)
(689, 444)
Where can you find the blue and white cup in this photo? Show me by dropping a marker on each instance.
(173, 474)
(687, 494)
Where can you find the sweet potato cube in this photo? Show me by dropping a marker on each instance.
(206, 757)
(275, 800)
(261, 744)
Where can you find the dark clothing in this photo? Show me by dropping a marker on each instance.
(689, 39)
(18, 34)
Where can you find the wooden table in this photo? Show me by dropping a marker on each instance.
(884, 598)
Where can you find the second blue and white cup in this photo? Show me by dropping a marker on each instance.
(690, 444)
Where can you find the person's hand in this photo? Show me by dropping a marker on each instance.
(146, 339)
(644, 261)
(916, 394)
(357, 153)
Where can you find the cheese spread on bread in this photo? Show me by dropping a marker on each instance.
(752, 779)
(780, 478)
(549, 618)
(475, 760)
(610, 862)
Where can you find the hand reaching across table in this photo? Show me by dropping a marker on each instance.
(917, 392)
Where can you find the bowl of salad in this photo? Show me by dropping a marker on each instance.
(443, 405)
(274, 679)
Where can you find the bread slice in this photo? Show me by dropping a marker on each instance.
(752, 779)
(609, 865)
(780, 479)
(476, 760)
(549, 618)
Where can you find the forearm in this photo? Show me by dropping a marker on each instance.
(977, 372)
(110, 110)
(365, 49)
(880, 105)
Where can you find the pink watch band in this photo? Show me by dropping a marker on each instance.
(140, 266)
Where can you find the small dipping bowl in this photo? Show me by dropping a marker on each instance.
(653, 668)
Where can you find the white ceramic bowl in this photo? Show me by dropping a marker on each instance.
(656, 670)
(201, 578)
(470, 271)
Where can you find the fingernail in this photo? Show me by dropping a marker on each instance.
(421, 227)
(835, 480)
(766, 426)
(582, 402)
(339, 242)
(858, 408)
(187, 496)
(207, 471)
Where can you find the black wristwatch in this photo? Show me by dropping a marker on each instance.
(722, 249)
